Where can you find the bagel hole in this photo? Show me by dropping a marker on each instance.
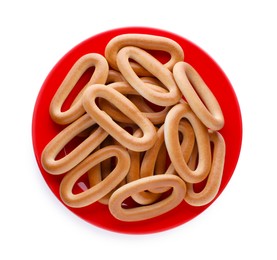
(81, 185)
(69, 147)
(194, 158)
(107, 166)
(87, 132)
(129, 203)
(198, 187)
(162, 56)
(84, 79)
(156, 108)
(161, 165)
(76, 141)
(129, 129)
(201, 97)
(146, 103)
(87, 180)
(113, 112)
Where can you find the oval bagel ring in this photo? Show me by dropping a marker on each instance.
(126, 89)
(146, 42)
(99, 75)
(214, 178)
(150, 157)
(194, 89)
(100, 189)
(179, 111)
(70, 160)
(156, 68)
(147, 211)
(128, 108)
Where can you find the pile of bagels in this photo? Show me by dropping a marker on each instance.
(150, 131)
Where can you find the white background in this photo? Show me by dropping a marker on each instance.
(239, 35)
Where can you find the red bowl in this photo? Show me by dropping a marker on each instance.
(44, 129)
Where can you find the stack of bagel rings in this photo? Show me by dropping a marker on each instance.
(150, 131)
